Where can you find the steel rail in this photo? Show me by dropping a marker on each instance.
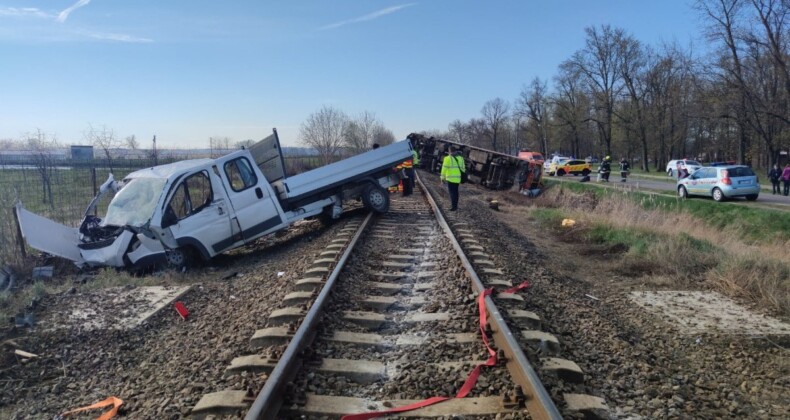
(539, 403)
(267, 403)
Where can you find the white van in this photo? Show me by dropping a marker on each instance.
(554, 159)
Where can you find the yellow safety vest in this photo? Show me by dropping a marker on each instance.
(452, 166)
(416, 157)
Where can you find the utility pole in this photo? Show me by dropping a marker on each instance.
(156, 158)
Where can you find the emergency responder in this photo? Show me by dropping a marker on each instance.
(408, 182)
(452, 167)
(625, 169)
(605, 169)
(415, 160)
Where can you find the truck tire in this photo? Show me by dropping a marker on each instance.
(181, 258)
(376, 198)
(560, 172)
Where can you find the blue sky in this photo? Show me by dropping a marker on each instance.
(187, 70)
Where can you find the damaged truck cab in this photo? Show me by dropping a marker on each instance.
(203, 207)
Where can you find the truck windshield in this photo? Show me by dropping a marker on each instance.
(134, 204)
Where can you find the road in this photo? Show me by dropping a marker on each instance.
(663, 184)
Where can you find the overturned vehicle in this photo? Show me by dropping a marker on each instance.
(170, 214)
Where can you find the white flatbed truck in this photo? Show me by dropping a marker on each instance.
(203, 207)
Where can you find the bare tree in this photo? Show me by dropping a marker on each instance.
(571, 105)
(383, 136)
(360, 133)
(43, 148)
(104, 139)
(323, 130)
(132, 143)
(244, 144)
(599, 65)
(219, 145)
(495, 116)
(533, 103)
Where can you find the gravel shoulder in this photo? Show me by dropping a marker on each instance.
(643, 366)
(161, 368)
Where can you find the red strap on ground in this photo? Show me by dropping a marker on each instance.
(471, 380)
(110, 401)
(182, 310)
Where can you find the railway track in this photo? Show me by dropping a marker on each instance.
(393, 314)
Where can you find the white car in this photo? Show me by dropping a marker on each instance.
(690, 165)
(555, 159)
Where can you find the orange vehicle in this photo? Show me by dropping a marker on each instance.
(536, 157)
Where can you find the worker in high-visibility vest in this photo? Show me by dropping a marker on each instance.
(452, 167)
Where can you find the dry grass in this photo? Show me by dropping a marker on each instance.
(676, 249)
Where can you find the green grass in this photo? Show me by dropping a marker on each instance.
(751, 223)
(638, 241)
(548, 217)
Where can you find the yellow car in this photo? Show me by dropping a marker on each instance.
(574, 167)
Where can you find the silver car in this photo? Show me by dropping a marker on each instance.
(721, 182)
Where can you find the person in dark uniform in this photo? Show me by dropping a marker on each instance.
(605, 169)
(625, 168)
(774, 175)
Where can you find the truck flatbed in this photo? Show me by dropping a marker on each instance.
(326, 179)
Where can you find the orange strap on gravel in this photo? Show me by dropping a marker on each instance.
(471, 380)
(110, 401)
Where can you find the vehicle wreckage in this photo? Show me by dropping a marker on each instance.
(170, 214)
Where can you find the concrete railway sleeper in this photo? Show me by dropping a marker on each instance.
(399, 328)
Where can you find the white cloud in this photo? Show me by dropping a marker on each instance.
(62, 16)
(24, 12)
(370, 16)
(117, 37)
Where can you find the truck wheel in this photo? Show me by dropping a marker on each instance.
(376, 198)
(180, 258)
(561, 172)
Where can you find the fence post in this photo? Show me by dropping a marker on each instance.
(19, 238)
(93, 179)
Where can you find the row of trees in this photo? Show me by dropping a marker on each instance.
(330, 131)
(617, 96)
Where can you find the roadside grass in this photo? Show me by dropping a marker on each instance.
(753, 225)
(674, 245)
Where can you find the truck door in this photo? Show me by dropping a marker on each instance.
(197, 216)
(252, 203)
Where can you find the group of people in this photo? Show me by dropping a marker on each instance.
(606, 168)
(776, 176)
(453, 168)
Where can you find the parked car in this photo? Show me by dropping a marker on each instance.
(721, 182)
(554, 159)
(690, 165)
(573, 167)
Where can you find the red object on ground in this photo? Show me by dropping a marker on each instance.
(182, 310)
(471, 380)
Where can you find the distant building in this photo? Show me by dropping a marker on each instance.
(84, 153)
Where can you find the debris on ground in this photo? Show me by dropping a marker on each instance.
(7, 278)
(182, 310)
(43, 273)
(568, 223)
(25, 354)
(493, 205)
